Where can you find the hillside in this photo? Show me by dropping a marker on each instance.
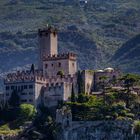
(128, 56)
(95, 31)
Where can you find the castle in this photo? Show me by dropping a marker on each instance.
(55, 77)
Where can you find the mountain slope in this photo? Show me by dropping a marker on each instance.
(94, 31)
(128, 56)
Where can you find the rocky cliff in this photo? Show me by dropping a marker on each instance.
(99, 130)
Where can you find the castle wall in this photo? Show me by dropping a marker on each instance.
(64, 117)
(72, 67)
(109, 75)
(25, 90)
(38, 93)
(53, 49)
(65, 62)
(88, 80)
(53, 94)
(57, 92)
(47, 44)
(67, 91)
(51, 67)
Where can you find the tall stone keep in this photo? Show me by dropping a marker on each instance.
(47, 43)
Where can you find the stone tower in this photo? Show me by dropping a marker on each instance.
(47, 43)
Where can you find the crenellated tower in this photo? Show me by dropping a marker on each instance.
(47, 43)
(53, 81)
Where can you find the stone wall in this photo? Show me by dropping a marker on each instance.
(57, 92)
(66, 63)
(88, 78)
(47, 43)
(25, 90)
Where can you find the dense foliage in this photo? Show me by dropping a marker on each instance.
(12, 118)
(114, 107)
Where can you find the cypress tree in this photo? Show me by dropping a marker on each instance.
(14, 99)
(32, 70)
(72, 94)
(80, 83)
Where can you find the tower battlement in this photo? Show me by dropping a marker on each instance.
(54, 85)
(46, 31)
(22, 76)
(47, 43)
(55, 79)
(71, 56)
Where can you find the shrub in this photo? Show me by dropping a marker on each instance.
(130, 115)
(137, 127)
(82, 98)
(120, 118)
(27, 111)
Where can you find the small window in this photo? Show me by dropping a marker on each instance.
(25, 86)
(30, 100)
(46, 65)
(59, 64)
(7, 94)
(15, 87)
(7, 87)
(23, 93)
(52, 65)
(49, 88)
(73, 64)
(12, 87)
(21, 87)
(24, 100)
(30, 86)
(30, 93)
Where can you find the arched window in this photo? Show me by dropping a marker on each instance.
(73, 64)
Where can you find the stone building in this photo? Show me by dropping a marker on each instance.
(52, 81)
(91, 78)
(56, 74)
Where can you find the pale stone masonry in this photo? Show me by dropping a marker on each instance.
(63, 62)
(45, 85)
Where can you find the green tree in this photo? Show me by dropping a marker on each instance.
(110, 98)
(103, 83)
(72, 95)
(27, 111)
(14, 99)
(80, 82)
(113, 81)
(137, 127)
(82, 98)
(129, 81)
(61, 73)
(32, 70)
